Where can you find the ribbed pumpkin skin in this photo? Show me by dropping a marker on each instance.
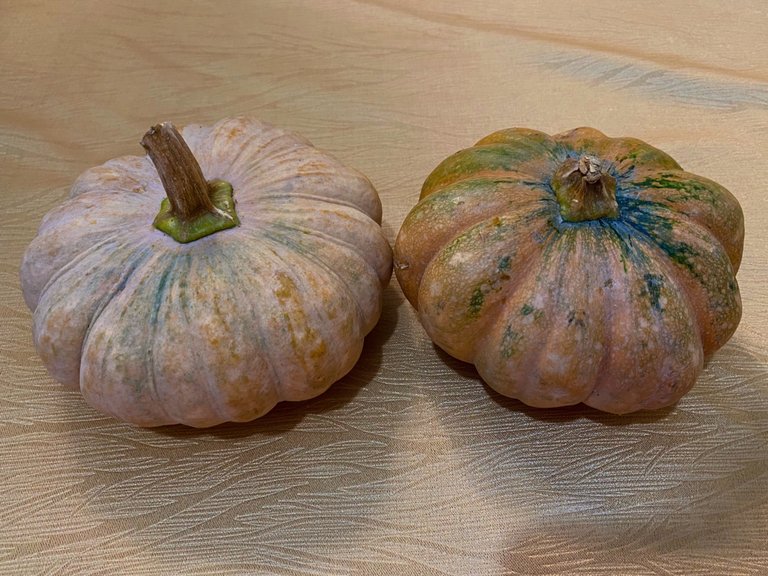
(221, 329)
(618, 313)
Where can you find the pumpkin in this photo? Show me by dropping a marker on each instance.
(574, 268)
(232, 267)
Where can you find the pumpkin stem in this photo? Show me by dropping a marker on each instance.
(584, 191)
(194, 207)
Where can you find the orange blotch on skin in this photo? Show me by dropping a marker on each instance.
(286, 287)
(318, 351)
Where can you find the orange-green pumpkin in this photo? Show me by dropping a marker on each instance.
(574, 268)
(254, 281)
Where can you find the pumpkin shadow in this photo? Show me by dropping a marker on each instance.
(287, 415)
(555, 415)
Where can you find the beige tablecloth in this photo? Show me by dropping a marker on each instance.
(409, 465)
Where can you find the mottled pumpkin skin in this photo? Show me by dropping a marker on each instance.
(221, 329)
(618, 313)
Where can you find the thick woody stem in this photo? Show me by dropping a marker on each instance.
(182, 178)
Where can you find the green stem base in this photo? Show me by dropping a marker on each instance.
(190, 229)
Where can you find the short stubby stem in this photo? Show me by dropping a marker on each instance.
(584, 190)
(194, 208)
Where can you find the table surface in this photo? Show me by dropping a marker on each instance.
(409, 465)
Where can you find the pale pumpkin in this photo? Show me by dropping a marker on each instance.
(574, 268)
(255, 281)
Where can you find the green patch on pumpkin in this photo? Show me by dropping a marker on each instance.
(688, 189)
(509, 342)
(652, 290)
(646, 220)
(527, 309)
(476, 302)
(486, 158)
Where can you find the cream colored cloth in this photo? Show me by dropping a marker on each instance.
(408, 466)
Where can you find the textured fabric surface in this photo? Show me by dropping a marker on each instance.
(409, 465)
